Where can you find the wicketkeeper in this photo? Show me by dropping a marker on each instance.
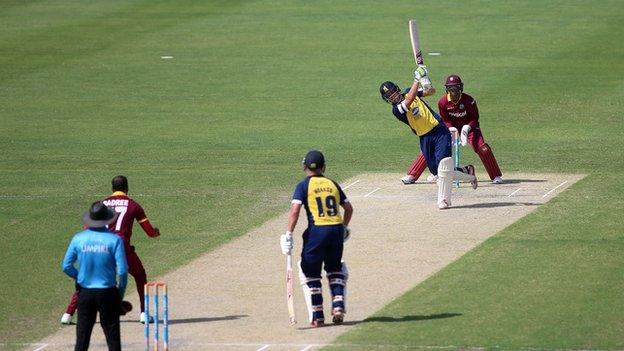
(323, 239)
(435, 138)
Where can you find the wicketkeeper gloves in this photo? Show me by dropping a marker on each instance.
(464, 134)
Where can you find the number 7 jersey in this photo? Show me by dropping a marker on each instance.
(321, 198)
(129, 211)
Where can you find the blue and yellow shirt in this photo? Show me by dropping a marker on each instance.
(321, 198)
(419, 116)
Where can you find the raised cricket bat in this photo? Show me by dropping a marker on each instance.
(289, 290)
(414, 36)
(415, 39)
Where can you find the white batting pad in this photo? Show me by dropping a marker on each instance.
(445, 181)
(307, 291)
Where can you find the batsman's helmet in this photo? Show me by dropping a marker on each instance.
(387, 89)
(314, 160)
(454, 81)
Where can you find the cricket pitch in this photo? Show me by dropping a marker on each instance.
(234, 298)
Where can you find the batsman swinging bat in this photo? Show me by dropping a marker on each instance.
(413, 30)
(289, 290)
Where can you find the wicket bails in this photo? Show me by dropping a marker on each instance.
(162, 288)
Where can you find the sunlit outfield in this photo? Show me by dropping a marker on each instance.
(212, 141)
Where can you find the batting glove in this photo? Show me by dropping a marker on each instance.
(420, 72)
(286, 242)
(347, 233)
(464, 134)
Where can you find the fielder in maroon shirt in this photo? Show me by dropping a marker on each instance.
(129, 211)
(460, 114)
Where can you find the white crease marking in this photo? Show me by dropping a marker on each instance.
(557, 187)
(348, 186)
(371, 192)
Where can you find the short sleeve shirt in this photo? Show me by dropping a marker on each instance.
(321, 198)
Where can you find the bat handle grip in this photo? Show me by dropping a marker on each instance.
(289, 261)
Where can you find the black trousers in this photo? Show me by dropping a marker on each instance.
(108, 303)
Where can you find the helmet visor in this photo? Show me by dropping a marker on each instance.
(453, 89)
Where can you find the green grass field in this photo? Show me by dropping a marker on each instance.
(212, 141)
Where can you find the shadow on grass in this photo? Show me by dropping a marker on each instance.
(385, 319)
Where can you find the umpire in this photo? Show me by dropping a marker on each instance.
(101, 258)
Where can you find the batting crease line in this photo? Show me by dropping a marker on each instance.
(510, 195)
(307, 348)
(41, 347)
(348, 186)
(264, 347)
(557, 187)
(371, 192)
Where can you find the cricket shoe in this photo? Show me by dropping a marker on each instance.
(142, 318)
(66, 319)
(432, 178)
(408, 179)
(497, 180)
(338, 316)
(317, 323)
(471, 171)
(443, 205)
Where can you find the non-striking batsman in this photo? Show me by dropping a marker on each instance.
(158, 288)
(323, 239)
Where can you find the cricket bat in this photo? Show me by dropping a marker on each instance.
(414, 36)
(415, 39)
(289, 290)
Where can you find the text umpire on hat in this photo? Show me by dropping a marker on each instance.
(101, 258)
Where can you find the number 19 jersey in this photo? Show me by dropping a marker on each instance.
(321, 198)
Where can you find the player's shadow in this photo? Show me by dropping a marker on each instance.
(496, 204)
(385, 319)
(197, 320)
(518, 181)
(206, 319)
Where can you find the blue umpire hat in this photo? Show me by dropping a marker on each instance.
(314, 160)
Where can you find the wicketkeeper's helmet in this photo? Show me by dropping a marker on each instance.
(387, 89)
(454, 81)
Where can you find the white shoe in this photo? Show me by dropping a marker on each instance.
(432, 178)
(497, 180)
(66, 319)
(443, 205)
(142, 318)
(408, 179)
